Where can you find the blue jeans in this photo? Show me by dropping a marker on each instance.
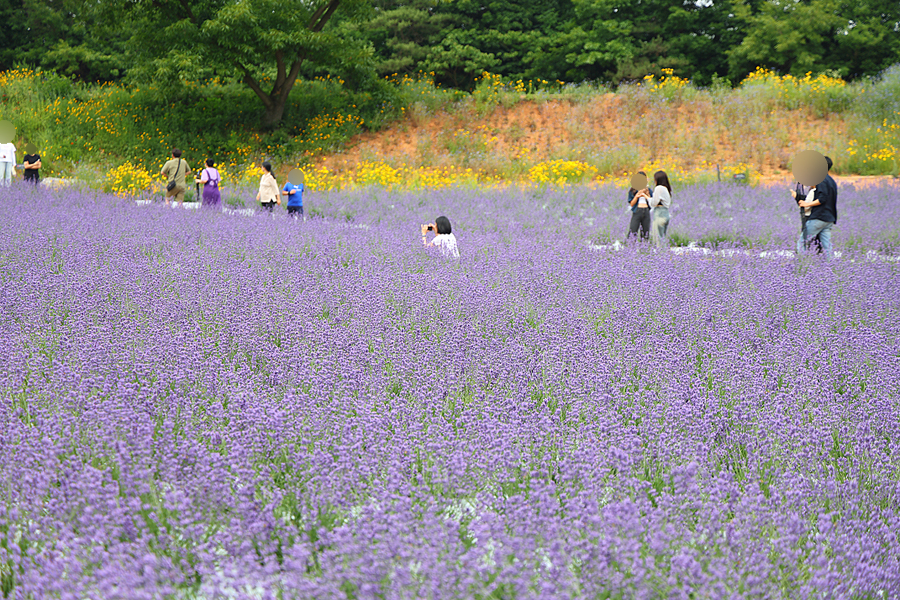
(660, 225)
(813, 228)
(7, 170)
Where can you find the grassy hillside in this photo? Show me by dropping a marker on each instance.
(411, 132)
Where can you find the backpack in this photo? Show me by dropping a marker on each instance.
(214, 183)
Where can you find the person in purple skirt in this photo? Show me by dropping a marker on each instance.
(210, 180)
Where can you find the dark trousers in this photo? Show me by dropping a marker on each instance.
(815, 242)
(640, 218)
(269, 206)
(292, 210)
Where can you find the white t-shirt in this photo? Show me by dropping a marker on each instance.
(810, 196)
(447, 244)
(8, 153)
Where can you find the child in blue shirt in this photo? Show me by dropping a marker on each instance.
(295, 199)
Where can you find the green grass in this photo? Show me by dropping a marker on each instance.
(85, 129)
(78, 126)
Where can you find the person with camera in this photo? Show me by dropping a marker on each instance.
(175, 171)
(822, 216)
(800, 194)
(445, 241)
(210, 179)
(639, 200)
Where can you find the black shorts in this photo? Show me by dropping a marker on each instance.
(295, 209)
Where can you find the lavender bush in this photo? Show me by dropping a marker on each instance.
(198, 405)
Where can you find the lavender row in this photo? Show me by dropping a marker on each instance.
(197, 405)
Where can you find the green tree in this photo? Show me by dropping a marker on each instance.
(510, 38)
(790, 37)
(616, 40)
(853, 38)
(265, 43)
(61, 35)
(403, 33)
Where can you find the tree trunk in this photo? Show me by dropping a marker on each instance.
(274, 111)
(275, 101)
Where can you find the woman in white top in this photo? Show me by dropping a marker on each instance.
(660, 203)
(268, 194)
(444, 240)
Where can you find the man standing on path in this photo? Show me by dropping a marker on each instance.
(175, 172)
(822, 216)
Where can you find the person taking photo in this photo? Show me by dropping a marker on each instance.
(445, 241)
(822, 215)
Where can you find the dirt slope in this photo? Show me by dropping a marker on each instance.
(613, 132)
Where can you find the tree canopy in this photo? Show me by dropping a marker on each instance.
(268, 44)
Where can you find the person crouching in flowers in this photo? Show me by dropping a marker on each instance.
(445, 241)
(268, 194)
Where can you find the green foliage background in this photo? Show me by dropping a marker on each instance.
(567, 40)
(156, 95)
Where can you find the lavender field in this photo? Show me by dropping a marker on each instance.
(198, 405)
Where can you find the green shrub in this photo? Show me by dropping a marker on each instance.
(717, 240)
(676, 238)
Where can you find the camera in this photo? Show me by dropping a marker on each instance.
(429, 228)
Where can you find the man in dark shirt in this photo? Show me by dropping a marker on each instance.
(823, 214)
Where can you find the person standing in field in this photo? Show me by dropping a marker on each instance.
(800, 193)
(268, 194)
(31, 163)
(7, 162)
(639, 200)
(175, 171)
(209, 177)
(660, 203)
(822, 216)
(294, 195)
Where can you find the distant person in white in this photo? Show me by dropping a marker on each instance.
(445, 241)
(660, 203)
(7, 162)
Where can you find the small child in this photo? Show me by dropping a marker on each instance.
(295, 199)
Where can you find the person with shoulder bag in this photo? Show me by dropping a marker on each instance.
(175, 171)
